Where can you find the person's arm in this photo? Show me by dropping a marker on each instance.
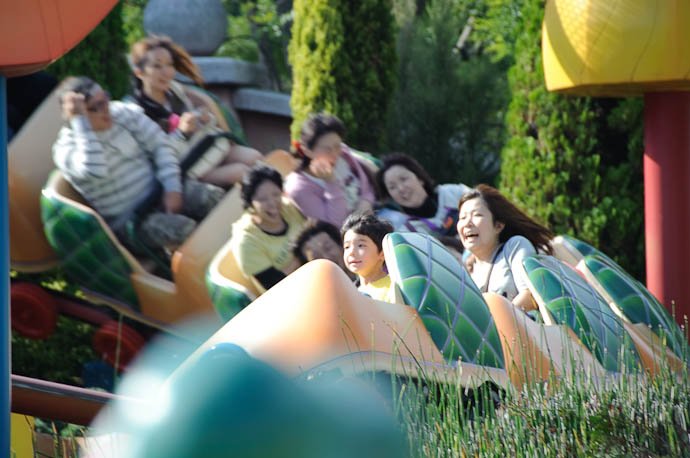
(517, 249)
(78, 151)
(396, 218)
(365, 186)
(312, 200)
(155, 142)
(525, 301)
(269, 277)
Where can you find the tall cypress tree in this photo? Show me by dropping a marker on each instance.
(370, 48)
(315, 53)
(343, 59)
(573, 162)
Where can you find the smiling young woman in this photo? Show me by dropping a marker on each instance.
(500, 236)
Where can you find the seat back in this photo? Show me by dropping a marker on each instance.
(91, 255)
(449, 303)
(230, 289)
(29, 161)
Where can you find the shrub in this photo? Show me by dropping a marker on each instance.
(101, 56)
(259, 30)
(450, 101)
(572, 162)
(343, 58)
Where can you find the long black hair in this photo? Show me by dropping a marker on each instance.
(515, 220)
(411, 164)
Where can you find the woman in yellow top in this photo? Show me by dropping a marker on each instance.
(262, 237)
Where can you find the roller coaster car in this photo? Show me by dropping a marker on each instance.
(52, 226)
(446, 329)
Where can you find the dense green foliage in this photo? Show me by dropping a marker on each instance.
(451, 97)
(60, 357)
(343, 59)
(574, 163)
(101, 56)
(133, 18)
(315, 53)
(259, 30)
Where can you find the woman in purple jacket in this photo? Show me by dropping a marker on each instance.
(330, 183)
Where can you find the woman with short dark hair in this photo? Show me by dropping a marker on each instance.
(330, 182)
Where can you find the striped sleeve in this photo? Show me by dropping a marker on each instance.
(78, 152)
(155, 142)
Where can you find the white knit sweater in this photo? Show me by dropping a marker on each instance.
(116, 169)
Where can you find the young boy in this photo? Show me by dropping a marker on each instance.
(363, 255)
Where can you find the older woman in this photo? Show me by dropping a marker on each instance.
(500, 236)
(423, 207)
(262, 237)
(330, 182)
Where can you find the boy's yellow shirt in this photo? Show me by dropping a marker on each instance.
(383, 289)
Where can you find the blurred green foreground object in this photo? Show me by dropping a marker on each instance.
(229, 404)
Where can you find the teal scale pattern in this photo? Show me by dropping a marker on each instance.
(88, 257)
(632, 297)
(447, 300)
(573, 302)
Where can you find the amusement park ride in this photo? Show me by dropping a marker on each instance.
(594, 48)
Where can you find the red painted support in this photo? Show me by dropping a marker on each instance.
(667, 198)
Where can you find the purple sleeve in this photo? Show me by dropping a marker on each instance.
(366, 190)
(313, 201)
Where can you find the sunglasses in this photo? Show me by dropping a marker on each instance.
(100, 105)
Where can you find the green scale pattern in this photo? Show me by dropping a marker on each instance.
(449, 303)
(574, 303)
(632, 298)
(227, 300)
(88, 257)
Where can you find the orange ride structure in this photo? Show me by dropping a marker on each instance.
(33, 33)
(616, 48)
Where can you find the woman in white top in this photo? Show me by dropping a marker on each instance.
(423, 206)
(500, 235)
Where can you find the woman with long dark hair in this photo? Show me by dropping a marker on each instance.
(155, 61)
(423, 206)
(500, 235)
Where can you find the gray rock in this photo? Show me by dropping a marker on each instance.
(262, 101)
(226, 70)
(199, 26)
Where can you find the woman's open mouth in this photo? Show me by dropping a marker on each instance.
(470, 236)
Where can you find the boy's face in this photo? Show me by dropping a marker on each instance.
(361, 255)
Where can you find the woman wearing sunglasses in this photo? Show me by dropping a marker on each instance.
(114, 155)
